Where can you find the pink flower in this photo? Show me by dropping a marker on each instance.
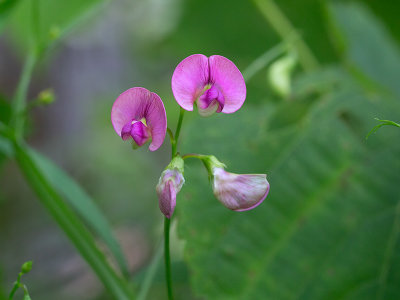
(169, 185)
(239, 192)
(139, 114)
(214, 83)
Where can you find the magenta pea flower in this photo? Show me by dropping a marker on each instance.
(169, 185)
(139, 114)
(238, 192)
(214, 83)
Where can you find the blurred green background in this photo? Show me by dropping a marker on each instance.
(329, 228)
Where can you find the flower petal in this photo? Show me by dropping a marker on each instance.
(167, 199)
(156, 119)
(239, 192)
(138, 103)
(130, 105)
(229, 80)
(189, 79)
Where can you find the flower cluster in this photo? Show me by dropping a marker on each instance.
(214, 85)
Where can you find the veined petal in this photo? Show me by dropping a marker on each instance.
(239, 192)
(227, 77)
(189, 78)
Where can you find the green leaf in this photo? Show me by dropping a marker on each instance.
(82, 203)
(70, 224)
(330, 227)
(370, 48)
(55, 19)
(6, 6)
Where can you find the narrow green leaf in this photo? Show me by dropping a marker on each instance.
(70, 224)
(82, 203)
(383, 123)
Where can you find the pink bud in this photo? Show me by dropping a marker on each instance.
(169, 185)
(239, 192)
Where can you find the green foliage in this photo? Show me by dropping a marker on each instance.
(316, 234)
(383, 123)
(54, 19)
(330, 227)
(82, 203)
(6, 6)
(70, 224)
(369, 48)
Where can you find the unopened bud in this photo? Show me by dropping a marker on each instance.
(279, 74)
(169, 185)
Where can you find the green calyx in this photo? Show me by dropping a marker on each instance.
(211, 162)
(176, 163)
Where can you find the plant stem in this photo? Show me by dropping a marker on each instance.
(284, 28)
(177, 132)
(194, 155)
(15, 287)
(19, 102)
(167, 258)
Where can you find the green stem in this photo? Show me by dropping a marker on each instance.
(194, 155)
(167, 259)
(19, 102)
(16, 286)
(177, 132)
(284, 28)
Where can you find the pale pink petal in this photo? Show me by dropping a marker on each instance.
(167, 199)
(239, 192)
(169, 185)
(189, 79)
(227, 77)
(156, 119)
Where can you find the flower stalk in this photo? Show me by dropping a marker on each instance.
(167, 221)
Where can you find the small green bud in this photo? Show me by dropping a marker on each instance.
(279, 74)
(26, 267)
(46, 97)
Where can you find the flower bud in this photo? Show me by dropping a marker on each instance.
(169, 185)
(280, 73)
(26, 267)
(46, 97)
(238, 192)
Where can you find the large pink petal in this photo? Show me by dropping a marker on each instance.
(137, 103)
(156, 119)
(189, 79)
(227, 77)
(129, 105)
